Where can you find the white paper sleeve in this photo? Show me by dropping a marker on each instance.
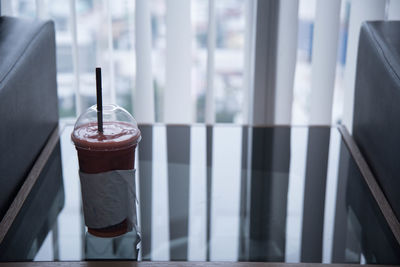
(108, 198)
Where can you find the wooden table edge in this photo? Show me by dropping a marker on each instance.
(29, 182)
(372, 183)
(168, 264)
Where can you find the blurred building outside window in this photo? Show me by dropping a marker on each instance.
(229, 54)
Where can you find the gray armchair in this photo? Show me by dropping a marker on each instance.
(376, 127)
(28, 99)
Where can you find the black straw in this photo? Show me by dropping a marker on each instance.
(99, 101)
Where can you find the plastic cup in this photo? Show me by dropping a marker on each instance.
(113, 149)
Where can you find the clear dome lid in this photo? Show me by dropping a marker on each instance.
(119, 129)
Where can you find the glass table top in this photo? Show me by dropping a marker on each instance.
(216, 193)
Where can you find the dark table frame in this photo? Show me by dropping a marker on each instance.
(33, 175)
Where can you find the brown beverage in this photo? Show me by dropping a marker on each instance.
(113, 149)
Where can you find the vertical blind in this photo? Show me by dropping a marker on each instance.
(144, 99)
(324, 54)
(177, 96)
(286, 59)
(179, 105)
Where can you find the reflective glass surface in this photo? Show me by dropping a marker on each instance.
(217, 193)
